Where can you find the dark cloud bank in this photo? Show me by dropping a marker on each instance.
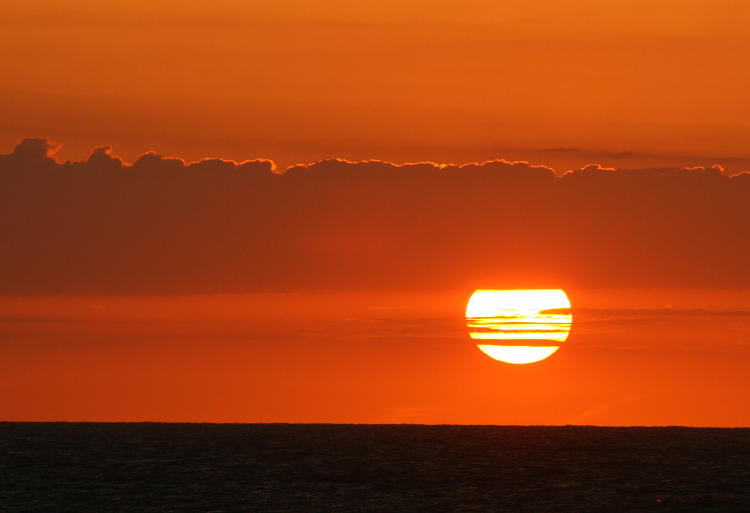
(161, 226)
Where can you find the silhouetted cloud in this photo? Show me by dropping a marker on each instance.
(632, 155)
(162, 225)
(643, 316)
(662, 312)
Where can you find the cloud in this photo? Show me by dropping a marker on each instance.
(657, 313)
(162, 225)
(28, 319)
(607, 318)
(628, 155)
(34, 150)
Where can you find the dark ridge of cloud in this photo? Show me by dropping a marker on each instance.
(597, 318)
(648, 312)
(595, 153)
(34, 149)
(562, 149)
(161, 225)
(590, 153)
(637, 154)
(30, 319)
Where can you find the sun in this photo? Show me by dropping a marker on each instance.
(519, 326)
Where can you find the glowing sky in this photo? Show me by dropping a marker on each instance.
(277, 211)
(624, 82)
(635, 357)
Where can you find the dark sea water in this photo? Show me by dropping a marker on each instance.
(59, 467)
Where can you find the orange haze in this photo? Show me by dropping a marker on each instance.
(633, 357)
(276, 211)
(627, 83)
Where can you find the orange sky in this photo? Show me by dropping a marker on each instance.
(624, 82)
(227, 290)
(634, 357)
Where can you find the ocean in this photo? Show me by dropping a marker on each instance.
(159, 467)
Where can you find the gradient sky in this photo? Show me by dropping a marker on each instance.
(626, 83)
(208, 214)
(635, 357)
